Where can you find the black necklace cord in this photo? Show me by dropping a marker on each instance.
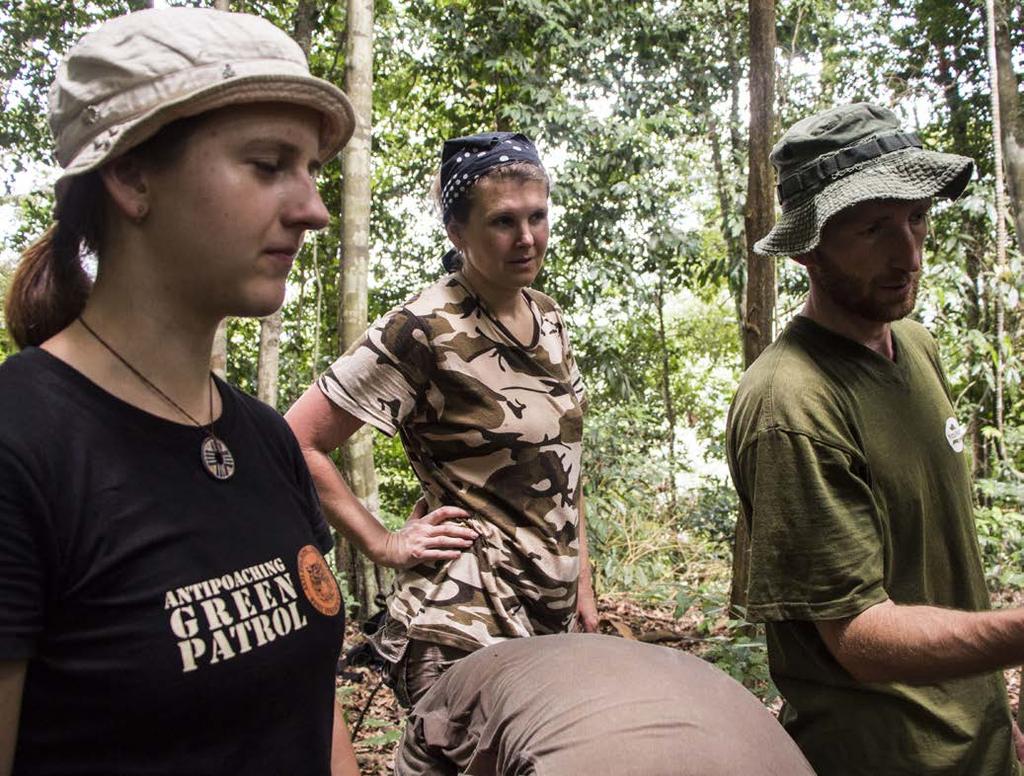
(208, 427)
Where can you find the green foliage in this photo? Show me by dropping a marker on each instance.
(632, 532)
(713, 512)
(1000, 523)
(243, 352)
(389, 732)
(33, 35)
(642, 542)
(727, 640)
(398, 487)
(6, 344)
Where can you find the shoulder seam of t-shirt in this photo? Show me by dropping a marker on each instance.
(796, 432)
(352, 407)
(848, 606)
(378, 420)
(767, 411)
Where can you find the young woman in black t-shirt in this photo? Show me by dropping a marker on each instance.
(167, 607)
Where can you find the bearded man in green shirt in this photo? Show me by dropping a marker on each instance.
(856, 544)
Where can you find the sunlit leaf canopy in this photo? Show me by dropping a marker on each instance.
(640, 109)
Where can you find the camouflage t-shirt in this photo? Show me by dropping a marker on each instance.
(491, 425)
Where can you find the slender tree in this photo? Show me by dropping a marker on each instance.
(1006, 89)
(267, 370)
(760, 212)
(365, 579)
(267, 365)
(999, 136)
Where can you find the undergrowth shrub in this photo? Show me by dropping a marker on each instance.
(675, 552)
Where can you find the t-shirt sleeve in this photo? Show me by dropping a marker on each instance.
(813, 546)
(383, 377)
(22, 560)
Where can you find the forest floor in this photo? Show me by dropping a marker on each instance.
(361, 693)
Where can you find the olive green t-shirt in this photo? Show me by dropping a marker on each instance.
(854, 487)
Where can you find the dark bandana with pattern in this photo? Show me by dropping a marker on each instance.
(464, 160)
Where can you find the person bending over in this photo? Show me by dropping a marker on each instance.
(592, 705)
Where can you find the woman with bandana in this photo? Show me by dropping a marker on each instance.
(476, 375)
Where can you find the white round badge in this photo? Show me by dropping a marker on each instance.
(955, 435)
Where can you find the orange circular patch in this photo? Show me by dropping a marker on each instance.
(317, 581)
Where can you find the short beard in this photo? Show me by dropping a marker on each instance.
(850, 295)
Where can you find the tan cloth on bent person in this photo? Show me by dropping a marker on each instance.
(491, 425)
(587, 705)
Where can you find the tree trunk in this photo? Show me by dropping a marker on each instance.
(999, 270)
(364, 579)
(735, 252)
(269, 357)
(219, 356)
(666, 389)
(760, 208)
(267, 371)
(270, 353)
(1012, 134)
(976, 239)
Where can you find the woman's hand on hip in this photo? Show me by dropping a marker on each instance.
(427, 537)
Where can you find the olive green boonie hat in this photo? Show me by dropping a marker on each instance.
(131, 76)
(847, 155)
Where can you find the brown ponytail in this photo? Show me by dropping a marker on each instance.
(50, 286)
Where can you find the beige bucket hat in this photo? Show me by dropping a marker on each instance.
(847, 155)
(136, 73)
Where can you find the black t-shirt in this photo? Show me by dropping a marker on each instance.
(172, 623)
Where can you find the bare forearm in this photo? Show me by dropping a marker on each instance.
(341, 507)
(343, 756)
(321, 427)
(585, 577)
(922, 644)
(586, 604)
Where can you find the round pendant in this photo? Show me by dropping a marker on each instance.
(217, 459)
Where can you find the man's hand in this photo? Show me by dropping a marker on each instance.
(425, 538)
(1018, 742)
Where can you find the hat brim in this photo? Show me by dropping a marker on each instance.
(337, 125)
(909, 174)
